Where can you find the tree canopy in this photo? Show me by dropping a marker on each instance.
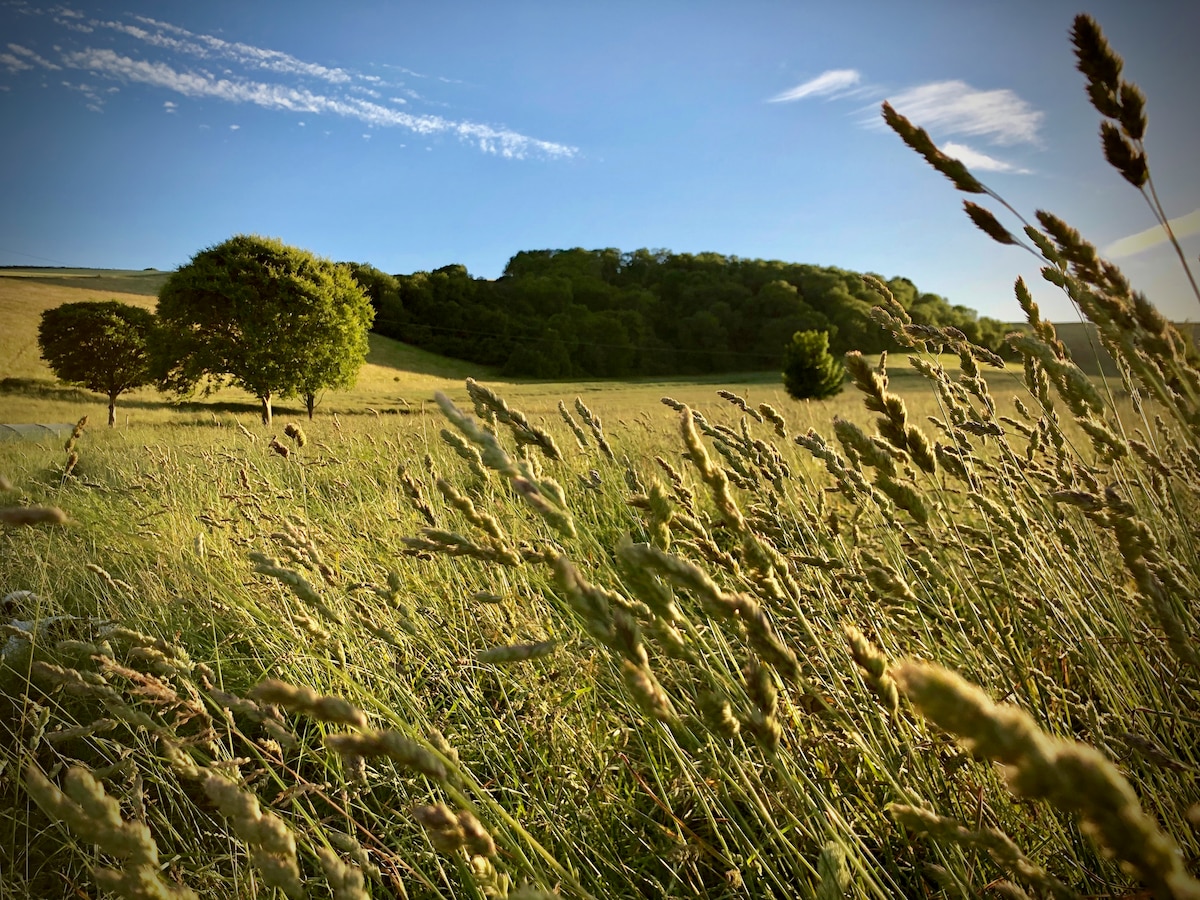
(382, 289)
(604, 313)
(102, 345)
(272, 319)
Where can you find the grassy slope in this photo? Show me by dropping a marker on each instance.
(396, 375)
(22, 302)
(990, 586)
(394, 371)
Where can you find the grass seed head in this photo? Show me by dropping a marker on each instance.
(986, 222)
(1099, 63)
(307, 701)
(17, 516)
(874, 667)
(272, 843)
(442, 826)
(833, 874)
(1003, 733)
(395, 746)
(296, 433)
(478, 841)
(580, 434)
(648, 693)
(517, 652)
(76, 434)
(346, 881)
(1123, 156)
(918, 139)
(772, 415)
(717, 714)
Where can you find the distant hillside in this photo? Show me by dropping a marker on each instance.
(603, 313)
(26, 293)
(1084, 346)
(24, 298)
(119, 281)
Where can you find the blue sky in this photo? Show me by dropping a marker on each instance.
(414, 135)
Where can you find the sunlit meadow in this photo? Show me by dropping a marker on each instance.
(458, 638)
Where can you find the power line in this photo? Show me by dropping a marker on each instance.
(35, 256)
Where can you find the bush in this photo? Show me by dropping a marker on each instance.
(810, 371)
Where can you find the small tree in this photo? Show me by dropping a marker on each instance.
(272, 319)
(810, 371)
(101, 345)
(334, 361)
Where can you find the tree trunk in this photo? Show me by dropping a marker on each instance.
(310, 401)
(112, 410)
(266, 408)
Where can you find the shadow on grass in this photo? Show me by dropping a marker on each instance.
(47, 389)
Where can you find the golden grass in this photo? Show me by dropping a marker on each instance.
(506, 662)
(22, 302)
(119, 281)
(396, 376)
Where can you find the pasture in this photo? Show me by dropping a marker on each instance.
(660, 654)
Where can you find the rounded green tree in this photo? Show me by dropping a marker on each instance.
(810, 371)
(102, 345)
(272, 319)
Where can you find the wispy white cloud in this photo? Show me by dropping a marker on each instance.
(73, 24)
(207, 46)
(975, 159)
(170, 106)
(33, 57)
(944, 108)
(235, 127)
(1183, 227)
(71, 19)
(956, 108)
(503, 142)
(292, 85)
(832, 83)
(95, 101)
(13, 63)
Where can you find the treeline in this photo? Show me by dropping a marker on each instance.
(603, 313)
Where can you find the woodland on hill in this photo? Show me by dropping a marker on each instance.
(603, 313)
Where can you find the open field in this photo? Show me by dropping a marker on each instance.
(22, 301)
(684, 665)
(121, 281)
(396, 376)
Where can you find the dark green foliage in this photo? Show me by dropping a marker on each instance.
(810, 371)
(102, 345)
(272, 319)
(382, 289)
(603, 313)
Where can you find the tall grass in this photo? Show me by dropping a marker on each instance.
(715, 655)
